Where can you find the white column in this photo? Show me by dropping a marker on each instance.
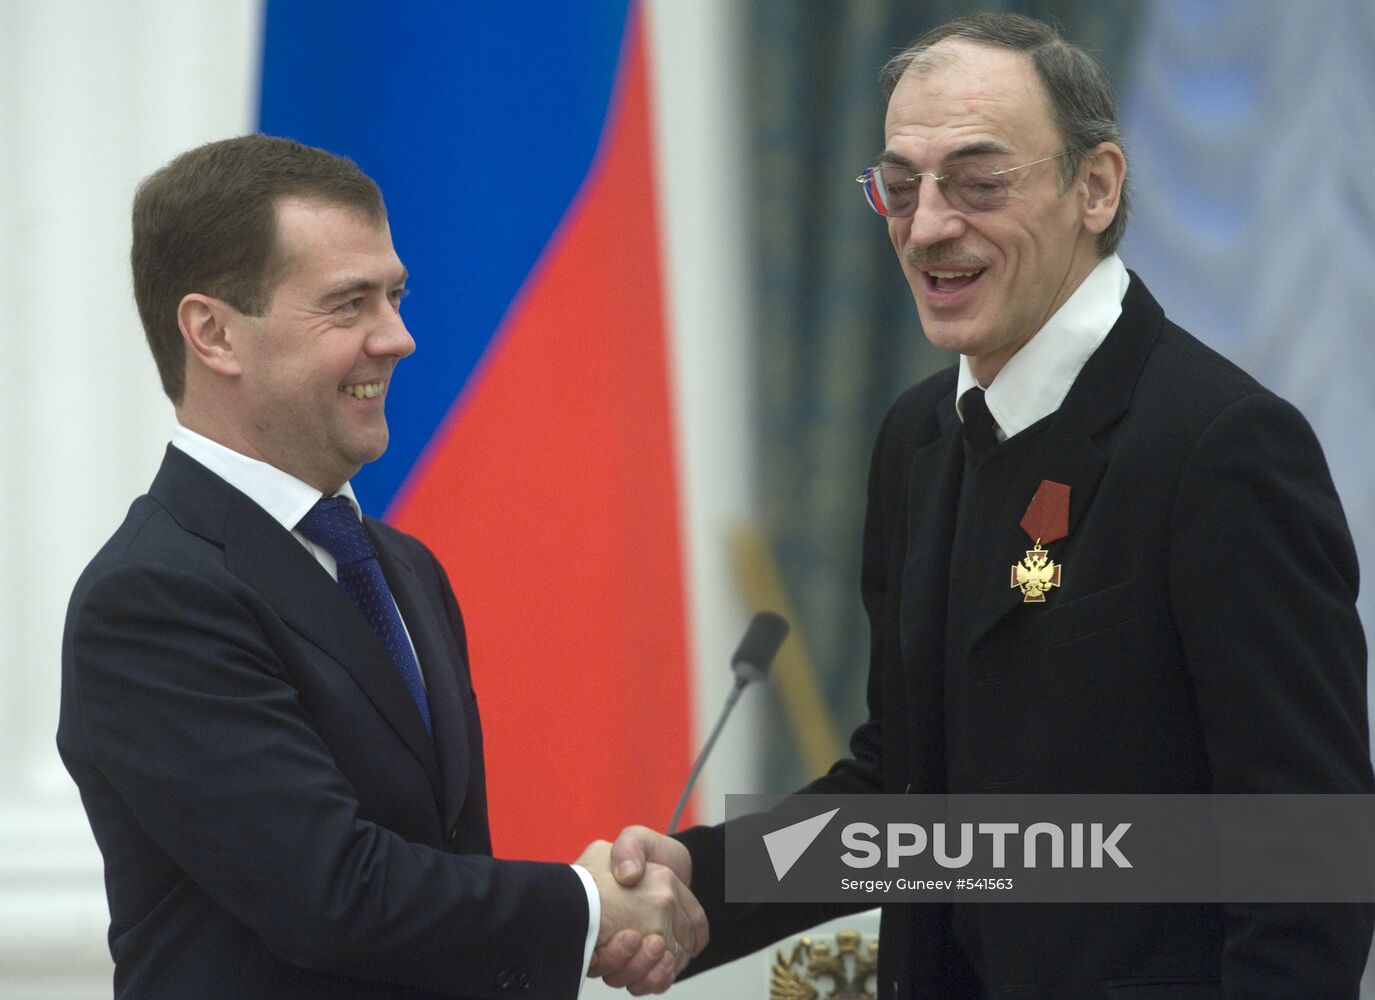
(697, 69)
(93, 97)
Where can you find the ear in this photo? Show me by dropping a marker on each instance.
(1105, 169)
(205, 327)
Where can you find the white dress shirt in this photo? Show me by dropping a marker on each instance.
(286, 500)
(1036, 379)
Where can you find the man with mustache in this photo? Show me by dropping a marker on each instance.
(1098, 557)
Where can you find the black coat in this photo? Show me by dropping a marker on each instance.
(1204, 638)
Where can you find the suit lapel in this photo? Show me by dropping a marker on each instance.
(441, 686)
(271, 562)
(1067, 452)
(932, 497)
(933, 492)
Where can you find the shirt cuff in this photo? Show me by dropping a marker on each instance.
(594, 919)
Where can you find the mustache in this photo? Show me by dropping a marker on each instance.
(945, 258)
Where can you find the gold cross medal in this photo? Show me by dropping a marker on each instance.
(1046, 520)
(1035, 574)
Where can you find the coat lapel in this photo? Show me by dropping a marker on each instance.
(271, 562)
(441, 686)
(1064, 454)
(1069, 452)
(933, 492)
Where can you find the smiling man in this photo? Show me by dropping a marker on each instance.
(1098, 557)
(266, 700)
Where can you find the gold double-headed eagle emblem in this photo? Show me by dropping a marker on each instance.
(850, 966)
(1046, 520)
(1035, 574)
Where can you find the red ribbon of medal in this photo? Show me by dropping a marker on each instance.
(1046, 520)
(1047, 516)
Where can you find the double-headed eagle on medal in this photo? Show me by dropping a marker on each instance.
(1035, 574)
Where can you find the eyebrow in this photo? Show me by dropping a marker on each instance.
(349, 287)
(984, 147)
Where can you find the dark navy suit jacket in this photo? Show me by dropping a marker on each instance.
(275, 819)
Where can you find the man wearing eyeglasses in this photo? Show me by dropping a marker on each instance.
(1098, 557)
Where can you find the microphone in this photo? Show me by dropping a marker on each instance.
(750, 663)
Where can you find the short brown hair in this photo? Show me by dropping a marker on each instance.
(1081, 97)
(207, 222)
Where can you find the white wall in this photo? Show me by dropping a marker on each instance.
(93, 96)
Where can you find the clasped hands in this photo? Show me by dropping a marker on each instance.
(651, 922)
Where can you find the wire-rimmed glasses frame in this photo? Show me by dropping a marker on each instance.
(968, 187)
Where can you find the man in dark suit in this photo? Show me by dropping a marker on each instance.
(1183, 619)
(266, 701)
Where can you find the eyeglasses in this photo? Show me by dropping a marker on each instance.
(969, 187)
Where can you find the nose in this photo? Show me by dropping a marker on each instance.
(390, 338)
(935, 219)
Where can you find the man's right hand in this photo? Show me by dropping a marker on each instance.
(651, 923)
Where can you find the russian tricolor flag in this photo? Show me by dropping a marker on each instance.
(533, 443)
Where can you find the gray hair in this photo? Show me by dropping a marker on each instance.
(1081, 97)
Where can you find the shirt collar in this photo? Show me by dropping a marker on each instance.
(1036, 379)
(285, 498)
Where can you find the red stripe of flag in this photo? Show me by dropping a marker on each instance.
(550, 496)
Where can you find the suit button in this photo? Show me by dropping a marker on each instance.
(503, 980)
(453, 834)
(524, 981)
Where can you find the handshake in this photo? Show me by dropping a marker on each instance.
(651, 922)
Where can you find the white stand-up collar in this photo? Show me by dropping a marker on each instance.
(1036, 379)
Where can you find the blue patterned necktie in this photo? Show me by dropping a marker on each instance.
(333, 525)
